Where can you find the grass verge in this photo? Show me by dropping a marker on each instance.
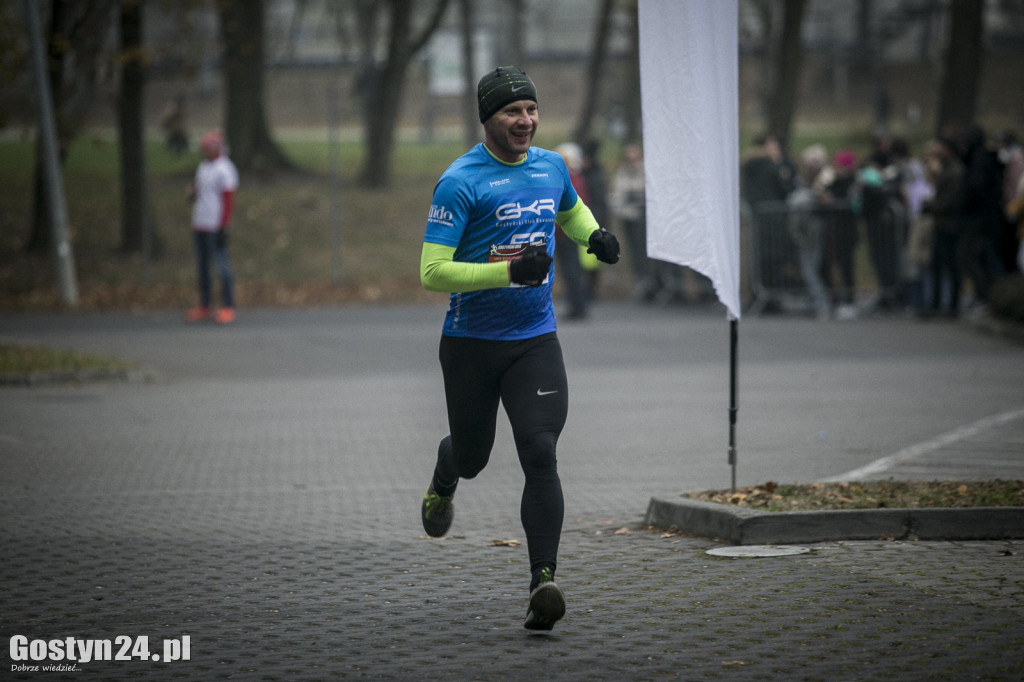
(870, 495)
(296, 239)
(303, 238)
(17, 359)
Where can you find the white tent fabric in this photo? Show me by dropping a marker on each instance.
(689, 78)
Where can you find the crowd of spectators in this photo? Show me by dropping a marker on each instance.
(938, 228)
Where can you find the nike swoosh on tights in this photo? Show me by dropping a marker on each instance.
(540, 392)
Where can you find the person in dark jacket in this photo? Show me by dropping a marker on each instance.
(981, 217)
(945, 208)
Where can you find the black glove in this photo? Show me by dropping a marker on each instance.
(604, 246)
(532, 267)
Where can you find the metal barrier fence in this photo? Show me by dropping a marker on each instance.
(805, 254)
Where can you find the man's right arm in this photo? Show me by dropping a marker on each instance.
(440, 272)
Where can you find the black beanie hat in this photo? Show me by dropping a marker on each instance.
(502, 86)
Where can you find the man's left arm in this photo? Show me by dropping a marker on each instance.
(580, 225)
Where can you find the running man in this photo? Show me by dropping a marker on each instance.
(489, 241)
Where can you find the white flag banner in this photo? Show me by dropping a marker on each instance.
(689, 79)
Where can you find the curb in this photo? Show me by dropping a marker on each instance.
(750, 527)
(80, 376)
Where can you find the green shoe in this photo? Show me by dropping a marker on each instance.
(437, 513)
(547, 604)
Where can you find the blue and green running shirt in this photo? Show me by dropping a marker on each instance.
(488, 211)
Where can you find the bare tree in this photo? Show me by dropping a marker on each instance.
(384, 85)
(631, 110)
(511, 39)
(781, 98)
(295, 27)
(75, 39)
(595, 65)
(242, 31)
(469, 111)
(134, 192)
(962, 65)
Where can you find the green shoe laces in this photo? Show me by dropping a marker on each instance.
(435, 503)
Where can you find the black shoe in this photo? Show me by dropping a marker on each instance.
(547, 604)
(437, 513)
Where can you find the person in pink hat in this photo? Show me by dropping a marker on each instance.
(213, 196)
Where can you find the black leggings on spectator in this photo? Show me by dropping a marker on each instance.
(528, 378)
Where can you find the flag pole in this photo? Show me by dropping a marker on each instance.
(733, 405)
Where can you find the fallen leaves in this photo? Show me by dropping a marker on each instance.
(772, 496)
(505, 543)
(620, 531)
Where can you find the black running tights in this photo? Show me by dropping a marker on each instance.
(528, 378)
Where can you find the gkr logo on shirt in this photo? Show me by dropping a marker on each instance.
(516, 210)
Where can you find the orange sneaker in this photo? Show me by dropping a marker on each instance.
(197, 314)
(226, 315)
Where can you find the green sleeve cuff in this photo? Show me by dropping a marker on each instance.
(438, 272)
(578, 223)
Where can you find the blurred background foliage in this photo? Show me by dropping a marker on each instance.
(341, 114)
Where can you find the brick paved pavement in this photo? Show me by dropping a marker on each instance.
(262, 498)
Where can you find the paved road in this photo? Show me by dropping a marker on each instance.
(261, 497)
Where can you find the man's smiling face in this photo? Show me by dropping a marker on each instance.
(509, 132)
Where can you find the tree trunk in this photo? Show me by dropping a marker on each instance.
(511, 37)
(863, 36)
(631, 108)
(74, 41)
(786, 79)
(469, 71)
(384, 96)
(40, 238)
(598, 53)
(134, 192)
(962, 68)
(250, 145)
